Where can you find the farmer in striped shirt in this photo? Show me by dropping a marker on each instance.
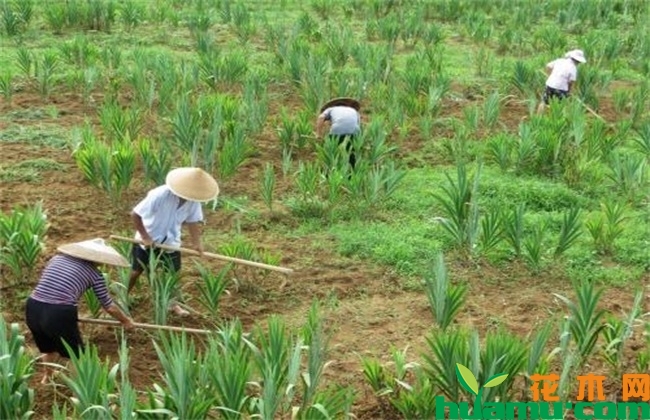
(158, 219)
(51, 310)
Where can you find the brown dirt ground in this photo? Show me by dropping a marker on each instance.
(368, 313)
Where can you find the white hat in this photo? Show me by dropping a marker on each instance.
(193, 184)
(94, 250)
(577, 55)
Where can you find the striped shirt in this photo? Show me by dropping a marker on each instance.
(66, 278)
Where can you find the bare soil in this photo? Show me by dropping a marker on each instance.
(368, 313)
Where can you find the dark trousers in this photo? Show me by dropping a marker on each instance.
(554, 93)
(50, 324)
(140, 258)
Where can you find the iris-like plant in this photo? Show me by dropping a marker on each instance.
(445, 300)
(16, 369)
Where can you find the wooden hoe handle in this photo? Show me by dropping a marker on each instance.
(145, 326)
(211, 255)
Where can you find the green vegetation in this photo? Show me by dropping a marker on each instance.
(453, 160)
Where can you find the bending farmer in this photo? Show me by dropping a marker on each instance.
(158, 219)
(562, 74)
(345, 122)
(51, 310)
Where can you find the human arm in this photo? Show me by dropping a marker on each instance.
(319, 126)
(117, 313)
(139, 226)
(101, 291)
(195, 236)
(194, 223)
(320, 122)
(573, 77)
(549, 67)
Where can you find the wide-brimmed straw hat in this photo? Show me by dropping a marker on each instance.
(94, 250)
(351, 102)
(577, 55)
(193, 184)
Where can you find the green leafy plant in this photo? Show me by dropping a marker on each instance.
(22, 237)
(187, 392)
(607, 226)
(570, 230)
(93, 384)
(268, 184)
(617, 331)
(585, 317)
(459, 204)
(16, 369)
(445, 300)
(212, 287)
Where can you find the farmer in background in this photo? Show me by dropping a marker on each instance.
(158, 219)
(345, 122)
(51, 310)
(562, 74)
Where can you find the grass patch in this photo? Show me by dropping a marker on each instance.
(12, 174)
(407, 245)
(40, 164)
(40, 135)
(29, 170)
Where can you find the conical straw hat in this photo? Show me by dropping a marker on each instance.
(577, 55)
(352, 103)
(193, 184)
(94, 250)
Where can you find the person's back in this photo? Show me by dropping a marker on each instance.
(344, 120)
(66, 278)
(564, 71)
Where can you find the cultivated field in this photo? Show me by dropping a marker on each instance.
(473, 231)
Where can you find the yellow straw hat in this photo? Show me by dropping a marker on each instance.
(94, 250)
(193, 184)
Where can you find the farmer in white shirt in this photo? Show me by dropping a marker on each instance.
(159, 216)
(345, 122)
(563, 73)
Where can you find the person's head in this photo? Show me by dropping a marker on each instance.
(192, 184)
(578, 56)
(94, 251)
(349, 102)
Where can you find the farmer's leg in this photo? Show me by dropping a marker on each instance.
(47, 358)
(139, 261)
(67, 330)
(545, 100)
(353, 160)
(35, 315)
(172, 262)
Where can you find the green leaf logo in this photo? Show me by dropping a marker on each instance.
(466, 379)
(496, 380)
(469, 382)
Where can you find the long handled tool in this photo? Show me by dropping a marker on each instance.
(590, 110)
(583, 104)
(211, 255)
(145, 326)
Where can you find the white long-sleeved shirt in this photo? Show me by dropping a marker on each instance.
(162, 217)
(563, 71)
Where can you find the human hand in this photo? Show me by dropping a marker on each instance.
(128, 324)
(198, 247)
(147, 241)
